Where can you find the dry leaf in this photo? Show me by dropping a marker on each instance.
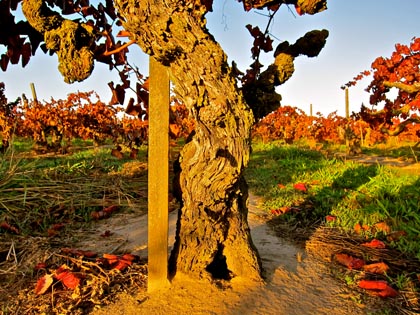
(378, 287)
(300, 187)
(67, 277)
(375, 244)
(43, 284)
(382, 227)
(349, 261)
(331, 218)
(376, 268)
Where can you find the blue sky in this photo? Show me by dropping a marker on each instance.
(360, 31)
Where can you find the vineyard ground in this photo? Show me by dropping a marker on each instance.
(296, 282)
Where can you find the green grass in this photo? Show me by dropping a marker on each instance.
(352, 192)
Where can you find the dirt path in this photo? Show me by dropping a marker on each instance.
(295, 282)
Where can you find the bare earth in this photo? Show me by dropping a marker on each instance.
(295, 283)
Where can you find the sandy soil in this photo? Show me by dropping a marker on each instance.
(295, 283)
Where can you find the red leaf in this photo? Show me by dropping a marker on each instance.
(349, 261)
(415, 45)
(129, 257)
(281, 210)
(378, 287)
(67, 277)
(300, 186)
(111, 259)
(43, 284)
(330, 218)
(373, 284)
(375, 244)
(122, 264)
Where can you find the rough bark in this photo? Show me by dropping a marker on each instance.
(213, 238)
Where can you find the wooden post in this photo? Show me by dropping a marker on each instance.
(347, 130)
(158, 170)
(347, 104)
(33, 92)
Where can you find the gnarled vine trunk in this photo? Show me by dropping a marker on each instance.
(213, 238)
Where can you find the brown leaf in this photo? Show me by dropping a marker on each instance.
(79, 252)
(376, 268)
(43, 284)
(10, 228)
(349, 261)
(117, 153)
(396, 236)
(110, 209)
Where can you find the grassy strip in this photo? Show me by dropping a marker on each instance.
(39, 191)
(351, 193)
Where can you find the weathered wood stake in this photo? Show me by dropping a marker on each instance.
(33, 92)
(158, 176)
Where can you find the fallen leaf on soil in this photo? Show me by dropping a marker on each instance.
(43, 284)
(396, 236)
(376, 268)
(378, 287)
(129, 257)
(39, 266)
(79, 252)
(117, 153)
(111, 259)
(105, 213)
(359, 229)
(300, 187)
(67, 277)
(122, 264)
(375, 244)
(53, 230)
(281, 186)
(330, 218)
(107, 233)
(10, 228)
(281, 210)
(382, 227)
(349, 261)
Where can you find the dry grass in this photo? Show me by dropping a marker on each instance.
(326, 242)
